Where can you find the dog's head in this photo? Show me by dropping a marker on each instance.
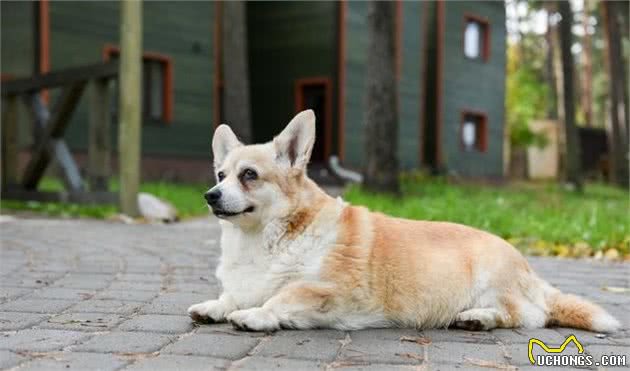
(258, 183)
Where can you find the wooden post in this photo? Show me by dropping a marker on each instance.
(10, 141)
(99, 141)
(129, 140)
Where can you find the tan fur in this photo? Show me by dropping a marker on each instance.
(570, 310)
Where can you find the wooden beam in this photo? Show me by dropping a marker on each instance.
(130, 105)
(54, 130)
(10, 141)
(99, 141)
(67, 167)
(59, 78)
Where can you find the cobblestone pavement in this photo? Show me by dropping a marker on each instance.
(97, 295)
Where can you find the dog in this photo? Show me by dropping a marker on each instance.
(294, 257)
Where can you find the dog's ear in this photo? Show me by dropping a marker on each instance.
(295, 143)
(223, 142)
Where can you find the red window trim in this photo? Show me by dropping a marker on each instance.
(482, 145)
(110, 50)
(299, 105)
(485, 52)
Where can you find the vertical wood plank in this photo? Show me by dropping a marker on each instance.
(129, 140)
(10, 146)
(99, 140)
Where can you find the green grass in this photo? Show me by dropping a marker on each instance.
(541, 216)
(187, 199)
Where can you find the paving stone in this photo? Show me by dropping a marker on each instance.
(454, 335)
(223, 328)
(140, 277)
(9, 359)
(173, 303)
(126, 295)
(18, 321)
(37, 305)
(213, 345)
(265, 364)
(136, 286)
(170, 362)
(75, 361)
(85, 281)
(321, 345)
(36, 340)
(440, 353)
(83, 321)
(31, 279)
(10, 293)
(124, 342)
(61, 293)
(381, 346)
(509, 336)
(168, 324)
(106, 306)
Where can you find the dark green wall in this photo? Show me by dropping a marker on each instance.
(475, 85)
(288, 41)
(410, 91)
(17, 50)
(183, 31)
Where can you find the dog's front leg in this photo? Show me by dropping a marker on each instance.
(213, 310)
(298, 306)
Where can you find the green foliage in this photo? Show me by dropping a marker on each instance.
(187, 199)
(526, 100)
(533, 213)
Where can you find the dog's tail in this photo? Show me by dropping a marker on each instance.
(572, 311)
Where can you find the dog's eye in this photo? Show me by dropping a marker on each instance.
(221, 176)
(249, 174)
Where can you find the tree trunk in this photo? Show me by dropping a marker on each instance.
(618, 97)
(381, 122)
(236, 97)
(587, 81)
(573, 168)
(550, 73)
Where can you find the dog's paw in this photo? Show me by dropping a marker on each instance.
(210, 311)
(255, 319)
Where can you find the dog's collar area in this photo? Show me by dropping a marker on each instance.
(227, 214)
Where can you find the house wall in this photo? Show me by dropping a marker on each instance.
(288, 41)
(411, 66)
(473, 85)
(182, 31)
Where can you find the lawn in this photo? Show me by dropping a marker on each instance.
(540, 219)
(187, 199)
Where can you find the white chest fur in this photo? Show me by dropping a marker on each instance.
(255, 265)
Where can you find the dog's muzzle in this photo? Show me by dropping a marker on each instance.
(213, 199)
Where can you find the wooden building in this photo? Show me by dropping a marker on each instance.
(450, 67)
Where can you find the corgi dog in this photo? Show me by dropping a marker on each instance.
(294, 257)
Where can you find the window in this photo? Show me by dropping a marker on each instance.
(473, 132)
(157, 85)
(476, 38)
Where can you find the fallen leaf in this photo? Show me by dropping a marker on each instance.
(411, 355)
(417, 340)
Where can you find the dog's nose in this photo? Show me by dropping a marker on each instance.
(212, 197)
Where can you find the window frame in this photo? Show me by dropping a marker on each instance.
(298, 94)
(485, 36)
(481, 145)
(110, 50)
